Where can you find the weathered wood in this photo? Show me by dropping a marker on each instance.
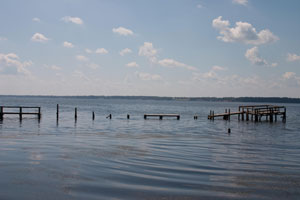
(57, 111)
(1, 112)
(161, 116)
(93, 115)
(20, 111)
(259, 111)
(75, 114)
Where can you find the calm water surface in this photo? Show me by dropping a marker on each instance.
(145, 159)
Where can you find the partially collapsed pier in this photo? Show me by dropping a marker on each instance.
(253, 113)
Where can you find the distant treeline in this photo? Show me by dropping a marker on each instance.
(215, 99)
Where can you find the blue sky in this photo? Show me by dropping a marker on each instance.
(160, 48)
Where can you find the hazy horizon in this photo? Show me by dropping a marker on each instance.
(194, 48)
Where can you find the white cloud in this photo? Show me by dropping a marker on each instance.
(82, 58)
(199, 6)
(173, 63)
(80, 75)
(11, 64)
(125, 51)
(148, 77)
(132, 64)
(36, 19)
(253, 56)
(148, 51)
(211, 74)
(75, 20)
(243, 32)
(68, 44)
(93, 66)
(293, 57)
(122, 31)
(240, 2)
(101, 51)
(288, 75)
(3, 39)
(88, 51)
(53, 67)
(38, 37)
(218, 68)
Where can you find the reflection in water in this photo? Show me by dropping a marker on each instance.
(146, 159)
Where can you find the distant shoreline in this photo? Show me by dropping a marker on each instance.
(213, 99)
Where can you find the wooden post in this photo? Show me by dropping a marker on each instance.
(243, 114)
(271, 115)
(161, 117)
(128, 116)
(178, 117)
(284, 115)
(75, 114)
(57, 112)
(247, 115)
(20, 113)
(93, 115)
(39, 112)
(239, 112)
(229, 114)
(256, 115)
(1, 113)
(145, 116)
(213, 115)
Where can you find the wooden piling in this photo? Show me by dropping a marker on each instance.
(20, 113)
(1, 112)
(93, 115)
(57, 112)
(39, 113)
(75, 114)
(243, 114)
(284, 115)
(109, 116)
(128, 116)
(256, 115)
(229, 114)
(239, 113)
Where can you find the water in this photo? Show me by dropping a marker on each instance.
(145, 159)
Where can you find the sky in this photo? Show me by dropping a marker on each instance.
(180, 48)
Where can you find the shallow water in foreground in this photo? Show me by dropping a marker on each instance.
(146, 159)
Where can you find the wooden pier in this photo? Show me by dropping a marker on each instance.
(19, 110)
(254, 113)
(162, 115)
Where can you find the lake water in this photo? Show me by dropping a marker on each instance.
(146, 159)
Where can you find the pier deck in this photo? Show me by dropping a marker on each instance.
(20, 110)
